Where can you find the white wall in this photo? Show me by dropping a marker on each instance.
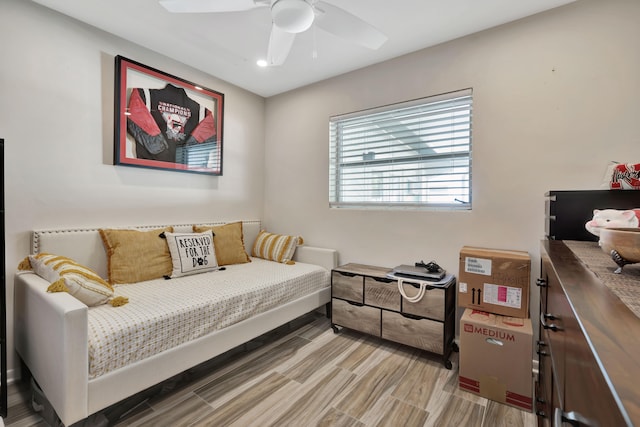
(555, 99)
(56, 116)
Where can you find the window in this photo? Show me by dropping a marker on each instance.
(415, 154)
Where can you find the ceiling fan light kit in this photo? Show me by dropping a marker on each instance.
(292, 16)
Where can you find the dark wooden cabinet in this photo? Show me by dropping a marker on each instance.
(567, 211)
(365, 299)
(589, 347)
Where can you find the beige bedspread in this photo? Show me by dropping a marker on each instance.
(162, 314)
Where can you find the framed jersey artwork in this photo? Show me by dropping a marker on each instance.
(165, 122)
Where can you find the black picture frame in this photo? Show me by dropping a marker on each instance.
(165, 122)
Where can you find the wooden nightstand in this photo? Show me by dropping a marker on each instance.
(365, 299)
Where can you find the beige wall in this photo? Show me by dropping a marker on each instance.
(56, 116)
(555, 99)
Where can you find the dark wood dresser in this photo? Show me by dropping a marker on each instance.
(589, 344)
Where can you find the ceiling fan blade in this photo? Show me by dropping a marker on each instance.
(343, 24)
(204, 6)
(280, 43)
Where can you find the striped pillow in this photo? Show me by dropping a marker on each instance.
(276, 247)
(66, 275)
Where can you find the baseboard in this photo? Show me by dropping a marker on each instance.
(11, 376)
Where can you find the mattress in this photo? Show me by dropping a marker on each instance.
(162, 314)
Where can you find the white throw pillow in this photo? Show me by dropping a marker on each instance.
(191, 253)
(66, 275)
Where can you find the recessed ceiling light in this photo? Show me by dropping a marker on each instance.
(262, 63)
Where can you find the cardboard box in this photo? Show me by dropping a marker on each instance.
(496, 358)
(494, 280)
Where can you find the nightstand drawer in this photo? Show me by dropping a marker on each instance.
(359, 317)
(381, 293)
(421, 333)
(431, 305)
(347, 286)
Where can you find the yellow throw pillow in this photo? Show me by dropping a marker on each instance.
(228, 241)
(276, 247)
(66, 275)
(136, 256)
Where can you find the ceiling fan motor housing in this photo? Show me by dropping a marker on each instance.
(292, 16)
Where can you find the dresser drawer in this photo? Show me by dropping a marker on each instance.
(421, 333)
(431, 305)
(347, 286)
(382, 293)
(359, 317)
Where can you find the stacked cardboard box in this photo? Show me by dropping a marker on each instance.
(495, 281)
(496, 338)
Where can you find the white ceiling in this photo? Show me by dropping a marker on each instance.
(227, 45)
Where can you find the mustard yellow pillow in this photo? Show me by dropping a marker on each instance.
(135, 256)
(66, 275)
(228, 241)
(275, 247)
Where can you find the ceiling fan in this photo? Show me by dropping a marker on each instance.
(290, 17)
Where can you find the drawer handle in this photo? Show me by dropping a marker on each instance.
(357, 304)
(411, 316)
(422, 288)
(575, 419)
(539, 350)
(551, 326)
(344, 273)
(382, 279)
(417, 286)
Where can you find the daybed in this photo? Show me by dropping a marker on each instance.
(79, 377)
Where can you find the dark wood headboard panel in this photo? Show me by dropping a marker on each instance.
(568, 211)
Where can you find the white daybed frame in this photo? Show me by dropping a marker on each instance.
(51, 329)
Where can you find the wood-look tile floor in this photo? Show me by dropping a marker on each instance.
(303, 375)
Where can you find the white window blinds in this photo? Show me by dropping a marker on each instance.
(415, 154)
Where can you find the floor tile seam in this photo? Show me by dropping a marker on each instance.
(316, 380)
(406, 402)
(330, 361)
(237, 365)
(303, 353)
(333, 407)
(212, 409)
(158, 413)
(239, 389)
(281, 405)
(427, 413)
